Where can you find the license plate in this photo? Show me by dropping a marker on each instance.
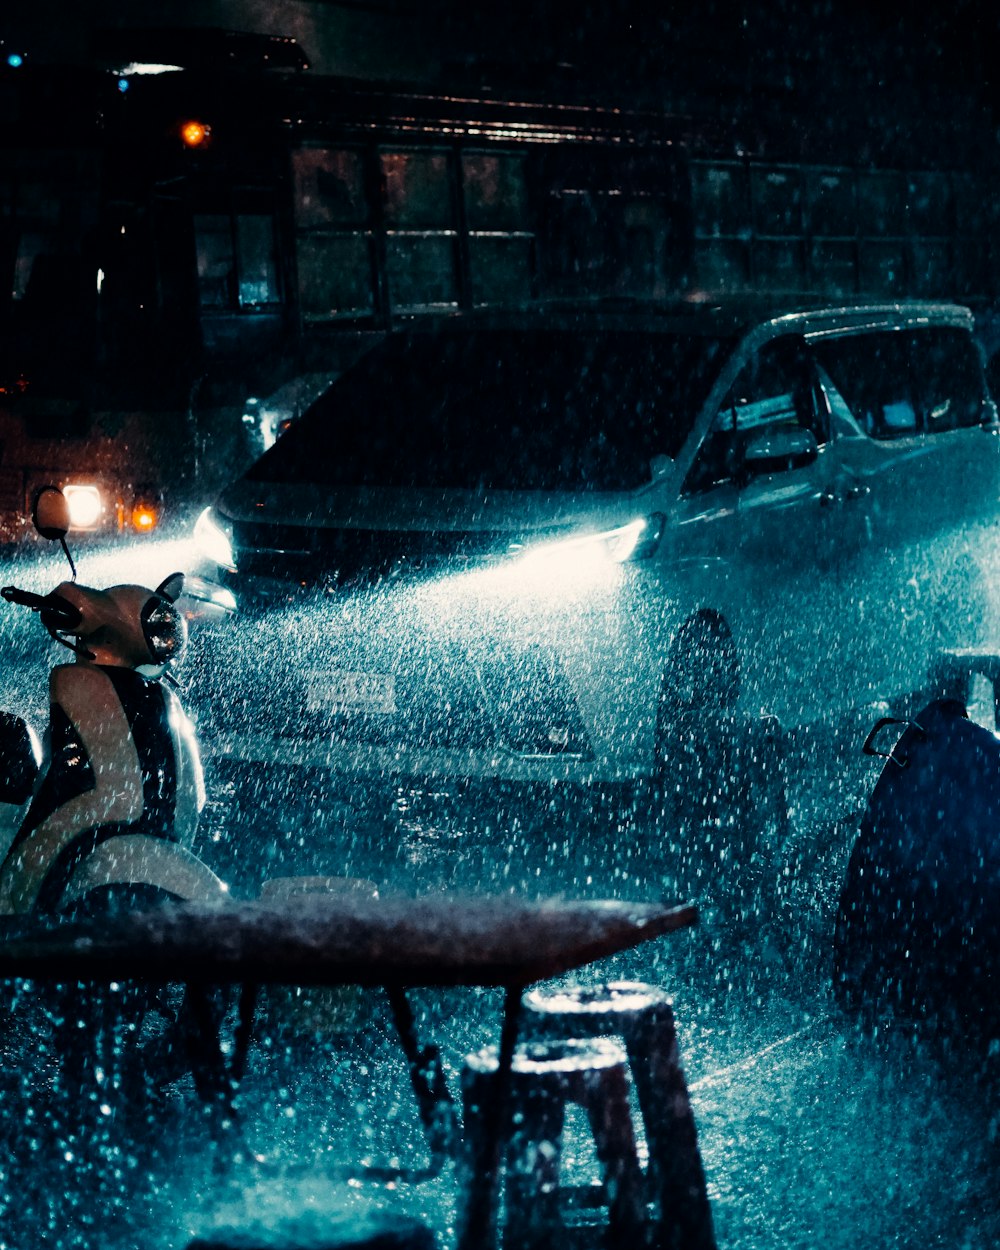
(341, 691)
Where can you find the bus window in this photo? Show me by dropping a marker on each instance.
(257, 269)
(501, 233)
(417, 191)
(494, 189)
(236, 260)
(333, 234)
(720, 194)
(335, 276)
(329, 188)
(216, 262)
(421, 239)
(421, 270)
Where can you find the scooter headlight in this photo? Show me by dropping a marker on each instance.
(214, 538)
(164, 629)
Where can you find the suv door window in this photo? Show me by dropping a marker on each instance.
(775, 392)
(898, 385)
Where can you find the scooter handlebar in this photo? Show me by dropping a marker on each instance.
(24, 597)
(57, 612)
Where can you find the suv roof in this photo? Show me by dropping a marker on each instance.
(727, 316)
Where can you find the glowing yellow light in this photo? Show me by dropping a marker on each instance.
(85, 505)
(194, 134)
(144, 517)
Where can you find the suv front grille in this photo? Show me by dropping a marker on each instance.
(319, 556)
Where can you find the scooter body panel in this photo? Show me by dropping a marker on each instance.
(123, 764)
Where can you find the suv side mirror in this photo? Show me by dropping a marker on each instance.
(989, 418)
(777, 450)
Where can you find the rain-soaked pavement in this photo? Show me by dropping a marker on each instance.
(813, 1132)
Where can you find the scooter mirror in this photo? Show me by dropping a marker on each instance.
(172, 587)
(51, 513)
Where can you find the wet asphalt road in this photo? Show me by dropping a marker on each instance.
(812, 1131)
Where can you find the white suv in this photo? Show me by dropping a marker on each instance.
(527, 547)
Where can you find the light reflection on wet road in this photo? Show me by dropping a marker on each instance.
(811, 1131)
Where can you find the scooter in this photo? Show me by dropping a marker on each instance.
(112, 815)
(115, 802)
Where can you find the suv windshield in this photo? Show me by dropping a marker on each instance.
(502, 409)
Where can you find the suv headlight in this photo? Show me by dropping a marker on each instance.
(633, 541)
(215, 539)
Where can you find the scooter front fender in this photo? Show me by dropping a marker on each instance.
(20, 759)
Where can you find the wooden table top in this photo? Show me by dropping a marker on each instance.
(315, 939)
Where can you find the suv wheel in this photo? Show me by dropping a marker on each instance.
(721, 776)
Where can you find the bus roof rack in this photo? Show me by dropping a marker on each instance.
(198, 48)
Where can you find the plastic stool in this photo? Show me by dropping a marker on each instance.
(642, 1015)
(544, 1077)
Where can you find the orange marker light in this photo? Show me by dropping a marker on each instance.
(195, 134)
(144, 517)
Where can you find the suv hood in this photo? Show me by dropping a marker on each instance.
(376, 508)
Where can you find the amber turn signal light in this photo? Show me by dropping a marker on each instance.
(145, 516)
(195, 134)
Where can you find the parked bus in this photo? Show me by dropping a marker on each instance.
(183, 245)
